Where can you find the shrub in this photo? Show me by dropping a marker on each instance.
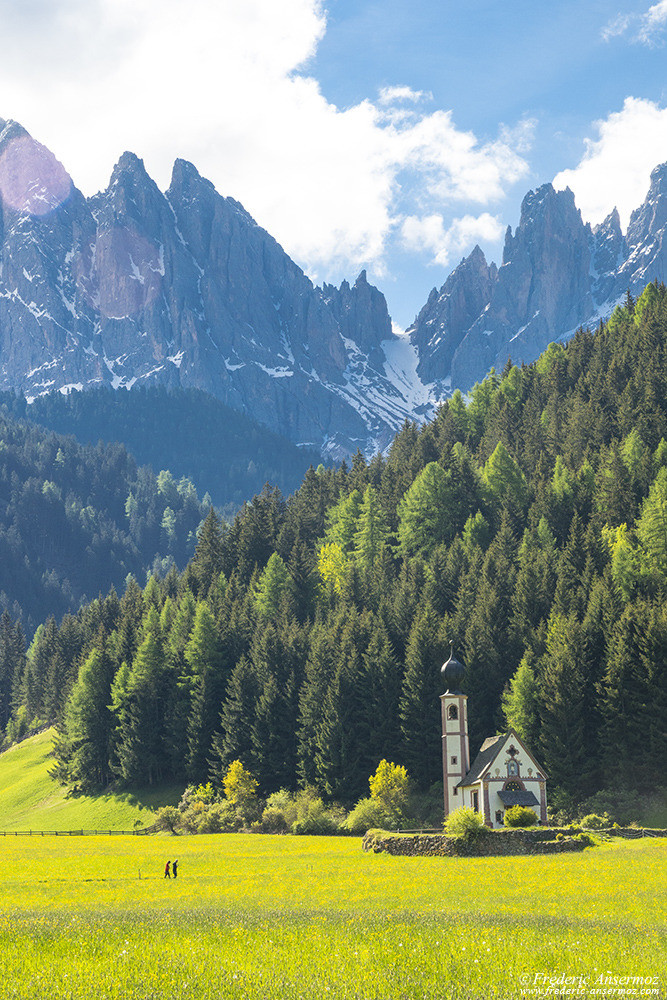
(273, 820)
(283, 802)
(20, 727)
(205, 793)
(366, 815)
(390, 787)
(313, 817)
(168, 818)
(465, 823)
(520, 816)
(595, 822)
(219, 817)
(584, 838)
(240, 786)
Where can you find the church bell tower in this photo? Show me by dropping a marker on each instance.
(455, 751)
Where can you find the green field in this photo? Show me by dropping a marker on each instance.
(31, 800)
(92, 918)
(287, 917)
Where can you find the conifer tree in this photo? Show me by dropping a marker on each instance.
(12, 664)
(206, 670)
(207, 563)
(140, 744)
(342, 521)
(319, 670)
(372, 534)
(563, 708)
(520, 703)
(429, 513)
(504, 479)
(83, 746)
(234, 739)
(272, 587)
(419, 707)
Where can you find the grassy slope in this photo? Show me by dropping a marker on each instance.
(31, 800)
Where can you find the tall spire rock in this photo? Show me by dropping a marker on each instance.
(449, 313)
(647, 237)
(543, 286)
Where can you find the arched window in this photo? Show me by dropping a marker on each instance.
(452, 712)
(513, 786)
(512, 769)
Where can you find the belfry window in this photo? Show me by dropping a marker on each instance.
(452, 712)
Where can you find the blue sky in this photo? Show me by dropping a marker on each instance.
(561, 66)
(387, 135)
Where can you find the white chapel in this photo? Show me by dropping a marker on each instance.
(504, 772)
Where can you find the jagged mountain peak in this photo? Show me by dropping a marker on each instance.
(9, 129)
(129, 163)
(650, 219)
(186, 179)
(612, 223)
(135, 286)
(184, 287)
(32, 180)
(659, 176)
(476, 256)
(448, 313)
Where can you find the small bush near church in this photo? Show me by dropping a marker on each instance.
(519, 816)
(465, 823)
(595, 822)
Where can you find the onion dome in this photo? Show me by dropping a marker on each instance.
(452, 673)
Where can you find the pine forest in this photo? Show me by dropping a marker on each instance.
(525, 527)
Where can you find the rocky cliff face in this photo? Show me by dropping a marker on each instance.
(557, 274)
(646, 237)
(181, 288)
(448, 315)
(184, 288)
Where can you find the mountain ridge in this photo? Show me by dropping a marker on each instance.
(558, 273)
(183, 288)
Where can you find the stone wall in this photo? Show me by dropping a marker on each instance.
(496, 843)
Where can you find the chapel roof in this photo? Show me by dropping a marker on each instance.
(489, 750)
(521, 797)
(490, 747)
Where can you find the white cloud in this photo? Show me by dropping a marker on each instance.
(646, 28)
(226, 86)
(393, 95)
(616, 27)
(616, 167)
(652, 23)
(429, 233)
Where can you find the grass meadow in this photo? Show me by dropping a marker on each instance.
(31, 800)
(255, 916)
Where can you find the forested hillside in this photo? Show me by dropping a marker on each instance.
(224, 453)
(74, 520)
(527, 527)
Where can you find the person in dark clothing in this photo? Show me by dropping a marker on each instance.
(174, 869)
(167, 873)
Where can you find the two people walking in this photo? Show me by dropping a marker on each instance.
(173, 867)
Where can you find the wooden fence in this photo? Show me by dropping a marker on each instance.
(142, 832)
